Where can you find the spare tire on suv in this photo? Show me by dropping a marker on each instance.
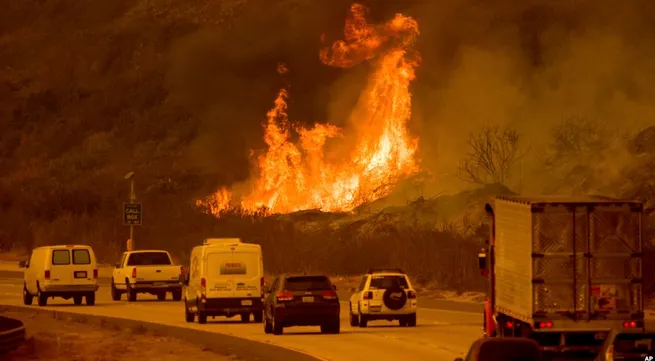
(394, 298)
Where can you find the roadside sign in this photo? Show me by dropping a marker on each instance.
(132, 214)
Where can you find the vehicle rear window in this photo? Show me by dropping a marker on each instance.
(61, 257)
(307, 283)
(385, 282)
(634, 343)
(149, 259)
(81, 256)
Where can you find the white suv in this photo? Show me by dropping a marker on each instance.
(384, 294)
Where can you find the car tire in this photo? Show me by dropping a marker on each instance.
(362, 321)
(161, 296)
(258, 316)
(268, 327)
(354, 319)
(334, 326)
(115, 293)
(278, 329)
(411, 320)
(91, 299)
(43, 299)
(177, 295)
(188, 316)
(28, 298)
(131, 294)
(77, 300)
(202, 318)
(245, 317)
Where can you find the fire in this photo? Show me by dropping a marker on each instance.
(294, 177)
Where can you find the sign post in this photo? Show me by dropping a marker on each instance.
(131, 212)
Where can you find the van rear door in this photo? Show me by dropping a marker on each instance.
(60, 266)
(83, 265)
(246, 268)
(219, 281)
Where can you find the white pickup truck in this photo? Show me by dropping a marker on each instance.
(150, 271)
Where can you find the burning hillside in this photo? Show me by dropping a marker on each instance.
(297, 175)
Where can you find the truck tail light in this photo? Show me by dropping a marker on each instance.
(134, 272)
(411, 295)
(545, 324)
(630, 324)
(203, 289)
(47, 274)
(329, 295)
(368, 295)
(182, 270)
(95, 274)
(284, 296)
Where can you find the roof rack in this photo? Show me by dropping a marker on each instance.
(384, 270)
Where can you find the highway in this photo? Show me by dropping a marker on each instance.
(440, 335)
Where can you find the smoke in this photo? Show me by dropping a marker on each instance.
(525, 64)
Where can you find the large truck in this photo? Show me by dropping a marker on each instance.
(563, 271)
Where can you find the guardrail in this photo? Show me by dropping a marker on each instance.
(246, 350)
(12, 334)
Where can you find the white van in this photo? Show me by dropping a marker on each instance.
(68, 271)
(225, 278)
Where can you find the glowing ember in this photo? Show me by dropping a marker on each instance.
(296, 177)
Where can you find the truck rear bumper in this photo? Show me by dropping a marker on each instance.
(156, 286)
(69, 289)
(230, 306)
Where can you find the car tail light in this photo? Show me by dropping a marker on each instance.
(134, 272)
(546, 324)
(630, 324)
(411, 294)
(182, 270)
(203, 289)
(368, 295)
(330, 295)
(95, 274)
(47, 274)
(284, 296)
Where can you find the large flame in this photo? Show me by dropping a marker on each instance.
(296, 177)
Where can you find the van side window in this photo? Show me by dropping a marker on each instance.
(81, 256)
(120, 263)
(61, 257)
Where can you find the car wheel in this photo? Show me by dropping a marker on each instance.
(362, 320)
(411, 320)
(91, 299)
(177, 295)
(43, 299)
(189, 317)
(77, 300)
(161, 296)
(268, 328)
(354, 320)
(258, 316)
(245, 317)
(115, 293)
(335, 326)
(27, 296)
(202, 318)
(131, 293)
(278, 329)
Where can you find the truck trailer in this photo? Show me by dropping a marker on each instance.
(563, 271)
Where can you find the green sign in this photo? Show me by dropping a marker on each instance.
(132, 214)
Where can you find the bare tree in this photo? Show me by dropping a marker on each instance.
(493, 152)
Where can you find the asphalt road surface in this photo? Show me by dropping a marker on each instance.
(440, 335)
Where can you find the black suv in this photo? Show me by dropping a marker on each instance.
(301, 301)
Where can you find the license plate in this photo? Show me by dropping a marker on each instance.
(308, 299)
(80, 274)
(246, 303)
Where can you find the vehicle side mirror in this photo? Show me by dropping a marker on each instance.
(22, 264)
(334, 287)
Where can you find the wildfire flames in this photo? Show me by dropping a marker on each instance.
(294, 177)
